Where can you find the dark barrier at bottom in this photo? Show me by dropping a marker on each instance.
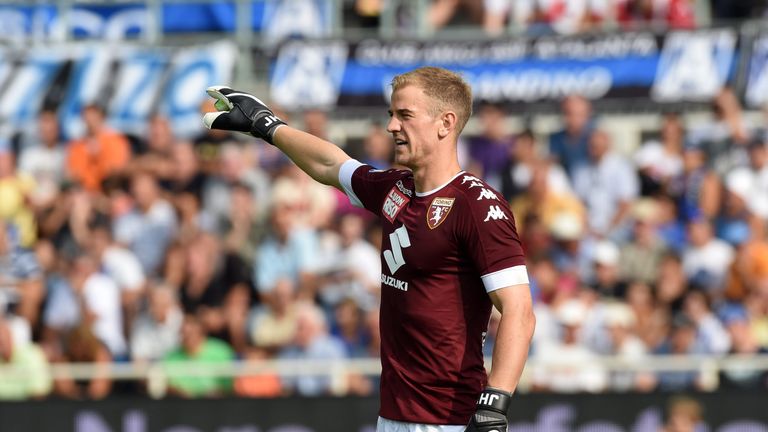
(723, 412)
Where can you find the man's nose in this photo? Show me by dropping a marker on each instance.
(393, 125)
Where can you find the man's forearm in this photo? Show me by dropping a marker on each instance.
(511, 349)
(315, 156)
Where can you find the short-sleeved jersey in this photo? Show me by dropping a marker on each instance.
(442, 252)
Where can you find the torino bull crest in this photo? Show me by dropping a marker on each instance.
(438, 211)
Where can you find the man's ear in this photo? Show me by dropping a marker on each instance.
(447, 124)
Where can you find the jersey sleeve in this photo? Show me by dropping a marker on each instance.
(366, 186)
(490, 237)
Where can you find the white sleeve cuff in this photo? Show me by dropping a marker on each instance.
(345, 178)
(516, 275)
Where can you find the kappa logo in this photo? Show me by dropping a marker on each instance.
(495, 213)
(474, 181)
(487, 194)
(394, 202)
(438, 211)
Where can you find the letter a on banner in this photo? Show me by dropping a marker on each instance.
(693, 66)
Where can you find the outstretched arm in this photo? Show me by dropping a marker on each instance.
(243, 112)
(315, 156)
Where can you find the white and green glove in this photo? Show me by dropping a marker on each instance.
(241, 112)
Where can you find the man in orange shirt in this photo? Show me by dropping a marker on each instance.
(99, 153)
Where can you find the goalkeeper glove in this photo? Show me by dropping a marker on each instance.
(241, 112)
(491, 414)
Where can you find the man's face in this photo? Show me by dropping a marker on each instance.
(413, 127)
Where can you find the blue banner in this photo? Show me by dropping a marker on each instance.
(623, 65)
(131, 82)
(276, 18)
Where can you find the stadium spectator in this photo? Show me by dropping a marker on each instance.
(723, 139)
(121, 265)
(652, 317)
(186, 175)
(196, 346)
(625, 345)
(21, 280)
(546, 16)
(570, 146)
(607, 185)
(236, 164)
(544, 201)
(707, 258)
(521, 161)
(272, 324)
(752, 180)
(659, 162)
(216, 286)
(32, 378)
(148, 228)
(671, 283)
(444, 12)
(676, 14)
(209, 143)
(289, 251)
(377, 147)
(710, 333)
(16, 189)
(81, 345)
(264, 384)
(682, 340)
(750, 265)
(698, 188)
(606, 279)
(684, 415)
(642, 255)
(351, 268)
(348, 326)
(555, 360)
(98, 298)
(100, 153)
(45, 162)
(312, 341)
(744, 343)
(489, 150)
(156, 332)
(155, 153)
(244, 226)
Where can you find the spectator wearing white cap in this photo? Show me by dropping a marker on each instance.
(567, 366)
(706, 259)
(752, 181)
(641, 256)
(607, 280)
(626, 345)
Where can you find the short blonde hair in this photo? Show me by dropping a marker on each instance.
(447, 88)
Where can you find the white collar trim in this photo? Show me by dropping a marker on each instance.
(427, 193)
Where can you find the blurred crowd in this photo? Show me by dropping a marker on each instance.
(156, 250)
(565, 16)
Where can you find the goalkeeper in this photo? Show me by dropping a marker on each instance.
(450, 252)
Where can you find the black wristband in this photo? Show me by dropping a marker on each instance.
(265, 124)
(493, 399)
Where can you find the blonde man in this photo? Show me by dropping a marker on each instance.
(450, 251)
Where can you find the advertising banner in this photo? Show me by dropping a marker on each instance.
(679, 66)
(722, 412)
(131, 82)
(278, 19)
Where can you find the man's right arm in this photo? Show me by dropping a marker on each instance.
(315, 156)
(243, 112)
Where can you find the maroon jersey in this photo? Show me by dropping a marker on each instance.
(442, 251)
